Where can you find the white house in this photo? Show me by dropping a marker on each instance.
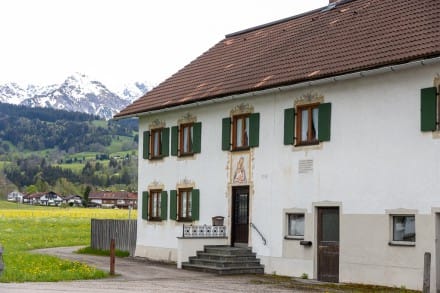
(15, 196)
(316, 137)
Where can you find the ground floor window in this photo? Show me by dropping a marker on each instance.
(295, 225)
(184, 206)
(155, 205)
(404, 228)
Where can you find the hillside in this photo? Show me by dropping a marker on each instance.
(44, 148)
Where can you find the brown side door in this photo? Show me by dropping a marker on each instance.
(328, 244)
(240, 215)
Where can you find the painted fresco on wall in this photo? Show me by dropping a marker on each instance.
(240, 168)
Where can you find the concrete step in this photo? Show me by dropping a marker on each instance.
(224, 270)
(218, 256)
(228, 250)
(232, 263)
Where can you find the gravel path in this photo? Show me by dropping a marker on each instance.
(139, 275)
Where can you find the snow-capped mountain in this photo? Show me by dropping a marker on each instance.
(132, 91)
(77, 93)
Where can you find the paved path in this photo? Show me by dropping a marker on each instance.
(138, 275)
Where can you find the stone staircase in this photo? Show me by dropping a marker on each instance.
(225, 260)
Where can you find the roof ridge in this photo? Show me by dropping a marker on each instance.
(321, 9)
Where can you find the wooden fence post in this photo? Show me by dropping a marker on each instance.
(112, 257)
(427, 272)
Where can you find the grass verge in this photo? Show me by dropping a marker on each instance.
(92, 251)
(23, 230)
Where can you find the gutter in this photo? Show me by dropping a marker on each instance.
(343, 77)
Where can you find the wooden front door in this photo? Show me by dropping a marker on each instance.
(328, 244)
(240, 216)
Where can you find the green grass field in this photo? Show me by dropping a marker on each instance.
(24, 228)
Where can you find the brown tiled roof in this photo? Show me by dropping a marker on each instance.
(355, 35)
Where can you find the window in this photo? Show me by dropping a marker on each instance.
(404, 228)
(156, 143)
(240, 132)
(430, 108)
(186, 139)
(184, 204)
(307, 129)
(295, 225)
(154, 205)
(307, 124)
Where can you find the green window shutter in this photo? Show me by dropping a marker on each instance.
(145, 205)
(428, 107)
(174, 140)
(197, 137)
(324, 118)
(173, 204)
(165, 152)
(254, 129)
(163, 205)
(146, 145)
(226, 134)
(289, 126)
(195, 202)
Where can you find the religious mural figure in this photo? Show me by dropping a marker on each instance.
(240, 172)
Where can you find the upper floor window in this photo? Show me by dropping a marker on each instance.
(156, 143)
(307, 124)
(430, 109)
(240, 132)
(186, 139)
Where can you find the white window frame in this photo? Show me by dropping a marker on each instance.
(401, 213)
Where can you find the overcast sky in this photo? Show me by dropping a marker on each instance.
(118, 41)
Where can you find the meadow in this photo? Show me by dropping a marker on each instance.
(24, 228)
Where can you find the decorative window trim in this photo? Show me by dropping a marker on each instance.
(156, 185)
(185, 183)
(187, 118)
(308, 98)
(242, 109)
(177, 137)
(292, 131)
(157, 123)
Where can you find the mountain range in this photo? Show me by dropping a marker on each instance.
(77, 93)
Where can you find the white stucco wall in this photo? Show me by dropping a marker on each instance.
(377, 160)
